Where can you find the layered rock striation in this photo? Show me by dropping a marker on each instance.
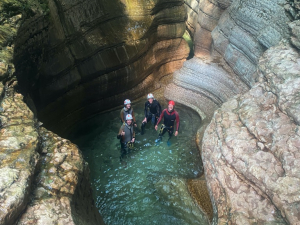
(84, 57)
(250, 147)
(230, 37)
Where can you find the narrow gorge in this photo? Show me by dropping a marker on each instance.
(234, 62)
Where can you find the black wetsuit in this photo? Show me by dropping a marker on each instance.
(152, 112)
(169, 120)
(125, 140)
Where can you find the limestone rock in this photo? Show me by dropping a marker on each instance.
(203, 86)
(209, 14)
(88, 56)
(62, 194)
(295, 27)
(251, 147)
(18, 156)
(245, 30)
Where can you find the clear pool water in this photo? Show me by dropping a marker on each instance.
(149, 186)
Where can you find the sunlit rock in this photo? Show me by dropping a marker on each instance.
(18, 156)
(251, 147)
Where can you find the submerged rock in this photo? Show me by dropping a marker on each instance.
(251, 147)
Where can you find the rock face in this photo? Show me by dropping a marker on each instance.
(62, 193)
(203, 86)
(245, 30)
(88, 56)
(41, 173)
(251, 147)
(18, 155)
(230, 37)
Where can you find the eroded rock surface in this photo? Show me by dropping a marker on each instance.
(203, 86)
(44, 178)
(251, 147)
(62, 193)
(88, 56)
(18, 155)
(245, 30)
(295, 27)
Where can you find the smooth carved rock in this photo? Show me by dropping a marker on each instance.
(203, 86)
(245, 30)
(174, 190)
(251, 147)
(210, 12)
(96, 52)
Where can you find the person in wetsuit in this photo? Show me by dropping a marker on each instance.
(126, 135)
(127, 110)
(169, 115)
(152, 111)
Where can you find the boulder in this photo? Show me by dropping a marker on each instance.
(251, 147)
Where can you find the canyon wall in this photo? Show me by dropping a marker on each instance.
(251, 147)
(230, 37)
(83, 57)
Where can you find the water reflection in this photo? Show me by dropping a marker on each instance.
(149, 187)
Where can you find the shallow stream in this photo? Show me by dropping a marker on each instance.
(149, 185)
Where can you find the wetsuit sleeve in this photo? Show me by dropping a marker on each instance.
(133, 116)
(145, 110)
(122, 115)
(120, 131)
(177, 120)
(161, 116)
(133, 134)
(158, 109)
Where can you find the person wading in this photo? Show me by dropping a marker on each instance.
(126, 135)
(127, 110)
(152, 111)
(169, 115)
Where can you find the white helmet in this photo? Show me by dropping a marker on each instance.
(150, 95)
(127, 101)
(128, 117)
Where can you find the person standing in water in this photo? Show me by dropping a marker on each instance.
(127, 110)
(152, 111)
(169, 115)
(126, 135)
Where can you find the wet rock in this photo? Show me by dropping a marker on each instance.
(250, 149)
(174, 190)
(199, 192)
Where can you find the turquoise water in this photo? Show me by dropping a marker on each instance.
(149, 185)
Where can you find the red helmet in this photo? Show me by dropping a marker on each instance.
(172, 103)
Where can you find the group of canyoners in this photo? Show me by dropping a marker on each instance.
(154, 114)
